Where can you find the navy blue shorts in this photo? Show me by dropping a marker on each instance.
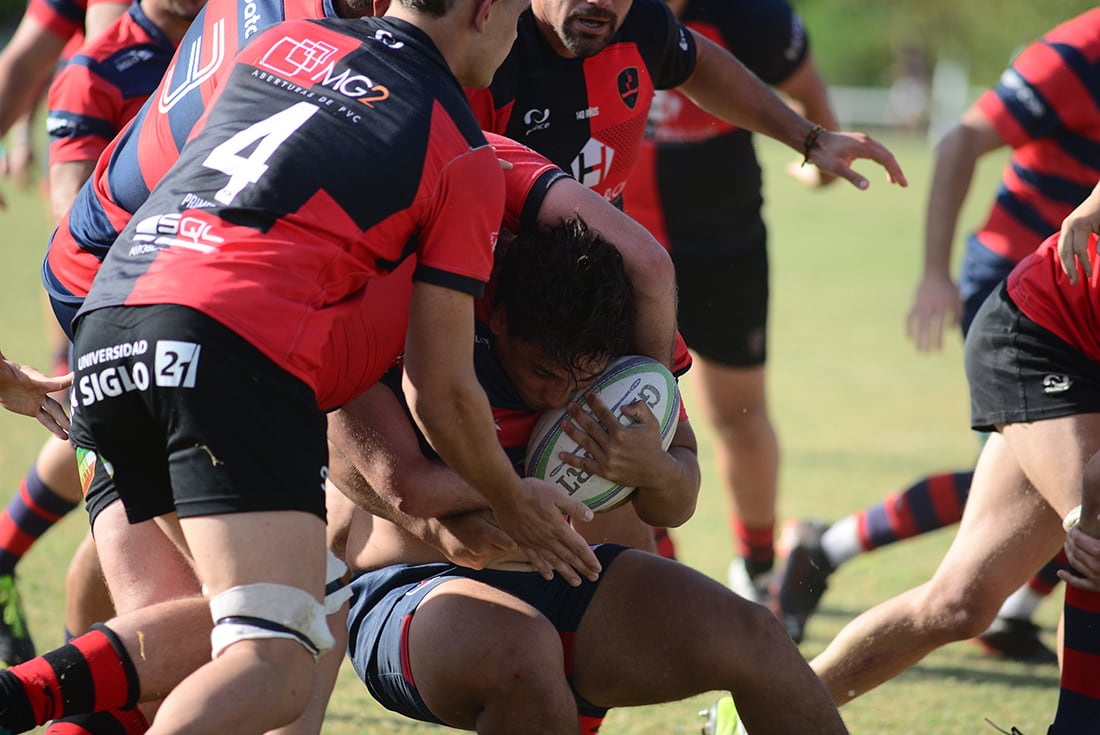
(383, 601)
(1020, 372)
(981, 272)
(174, 412)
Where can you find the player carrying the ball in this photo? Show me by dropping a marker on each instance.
(439, 599)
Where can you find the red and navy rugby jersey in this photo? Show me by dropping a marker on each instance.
(357, 355)
(698, 177)
(134, 162)
(588, 115)
(332, 150)
(1047, 107)
(64, 19)
(103, 86)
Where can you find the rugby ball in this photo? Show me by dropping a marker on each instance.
(626, 380)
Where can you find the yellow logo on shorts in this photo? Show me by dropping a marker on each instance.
(85, 465)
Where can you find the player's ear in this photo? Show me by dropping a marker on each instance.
(380, 7)
(482, 8)
(498, 320)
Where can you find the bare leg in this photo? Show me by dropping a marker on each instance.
(86, 598)
(254, 685)
(747, 451)
(463, 627)
(1008, 531)
(658, 631)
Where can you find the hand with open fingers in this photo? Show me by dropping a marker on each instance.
(937, 306)
(629, 454)
(26, 391)
(472, 540)
(1083, 552)
(536, 521)
(834, 153)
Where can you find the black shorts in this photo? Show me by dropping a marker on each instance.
(174, 412)
(723, 307)
(1020, 372)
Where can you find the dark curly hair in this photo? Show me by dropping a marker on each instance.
(565, 290)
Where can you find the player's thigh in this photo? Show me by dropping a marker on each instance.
(657, 630)
(1007, 532)
(1053, 454)
(279, 547)
(464, 626)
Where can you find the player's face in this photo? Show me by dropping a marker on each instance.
(541, 384)
(580, 27)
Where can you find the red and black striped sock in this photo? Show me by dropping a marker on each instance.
(93, 673)
(757, 545)
(1079, 698)
(933, 502)
(112, 722)
(33, 511)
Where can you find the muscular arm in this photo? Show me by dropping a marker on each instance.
(25, 66)
(374, 436)
(453, 412)
(809, 91)
(722, 86)
(936, 303)
(647, 263)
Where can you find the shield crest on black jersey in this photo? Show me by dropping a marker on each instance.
(628, 86)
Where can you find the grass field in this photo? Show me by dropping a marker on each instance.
(859, 413)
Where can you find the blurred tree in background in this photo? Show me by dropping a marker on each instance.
(864, 43)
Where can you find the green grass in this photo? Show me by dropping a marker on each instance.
(859, 412)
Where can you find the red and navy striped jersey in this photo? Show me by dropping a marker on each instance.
(332, 151)
(103, 86)
(1047, 107)
(588, 115)
(697, 176)
(134, 162)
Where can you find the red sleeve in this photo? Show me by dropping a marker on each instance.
(62, 18)
(525, 183)
(457, 238)
(84, 115)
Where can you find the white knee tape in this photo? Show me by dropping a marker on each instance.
(269, 611)
(336, 590)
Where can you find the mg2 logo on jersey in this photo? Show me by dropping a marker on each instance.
(290, 57)
(629, 86)
(593, 163)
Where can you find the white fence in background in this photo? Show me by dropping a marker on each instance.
(915, 104)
